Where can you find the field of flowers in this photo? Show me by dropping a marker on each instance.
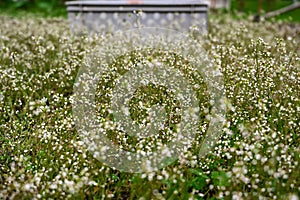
(256, 157)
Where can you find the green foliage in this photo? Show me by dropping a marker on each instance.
(251, 7)
(220, 178)
(42, 155)
(199, 181)
(45, 8)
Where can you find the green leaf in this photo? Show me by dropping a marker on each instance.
(220, 178)
(19, 4)
(198, 173)
(114, 177)
(199, 183)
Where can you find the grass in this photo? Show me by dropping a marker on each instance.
(251, 8)
(42, 155)
(33, 8)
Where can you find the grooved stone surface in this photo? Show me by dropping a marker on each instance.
(109, 16)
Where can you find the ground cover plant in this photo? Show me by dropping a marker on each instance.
(252, 7)
(256, 157)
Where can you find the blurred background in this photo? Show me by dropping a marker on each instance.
(56, 8)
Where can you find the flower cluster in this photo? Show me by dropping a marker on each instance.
(42, 156)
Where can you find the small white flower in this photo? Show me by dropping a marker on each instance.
(53, 186)
(293, 197)
(1, 97)
(31, 103)
(27, 186)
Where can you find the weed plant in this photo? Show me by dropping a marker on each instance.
(256, 157)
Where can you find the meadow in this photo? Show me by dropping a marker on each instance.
(257, 156)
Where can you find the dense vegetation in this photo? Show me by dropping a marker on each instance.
(256, 157)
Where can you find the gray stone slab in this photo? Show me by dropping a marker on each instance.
(109, 16)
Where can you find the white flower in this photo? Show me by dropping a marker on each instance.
(1, 97)
(27, 186)
(293, 197)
